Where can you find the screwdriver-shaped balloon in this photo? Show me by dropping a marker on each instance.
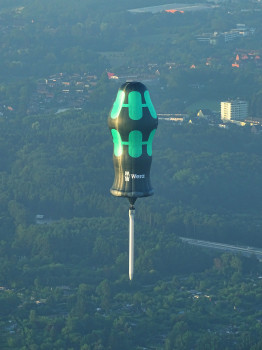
(133, 123)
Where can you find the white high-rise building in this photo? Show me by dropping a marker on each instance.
(234, 110)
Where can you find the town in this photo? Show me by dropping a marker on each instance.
(61, 92)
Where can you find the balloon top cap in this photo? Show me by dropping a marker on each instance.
(129, 86)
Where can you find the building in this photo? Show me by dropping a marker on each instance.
(224, 37)
(234, 110)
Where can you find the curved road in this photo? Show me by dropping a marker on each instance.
(248, 251)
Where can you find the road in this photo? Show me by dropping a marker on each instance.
(248, 251)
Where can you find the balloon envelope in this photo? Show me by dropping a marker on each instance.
(133, 122)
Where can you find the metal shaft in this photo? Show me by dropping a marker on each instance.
(131, 241)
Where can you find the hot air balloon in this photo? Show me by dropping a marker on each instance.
(133, 123)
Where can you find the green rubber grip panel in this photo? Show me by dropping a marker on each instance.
(135, 144)
(150, 142)
(118, 146)
(150, 104)
(118, 104)
(135, 105)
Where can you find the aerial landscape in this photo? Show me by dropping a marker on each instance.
(196, 271)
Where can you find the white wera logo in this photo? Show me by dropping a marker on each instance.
(133, 176)
(127, 176)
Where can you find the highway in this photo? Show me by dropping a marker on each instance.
(248, 251)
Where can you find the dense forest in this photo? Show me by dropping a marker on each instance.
(63, 238)
(206, 178)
